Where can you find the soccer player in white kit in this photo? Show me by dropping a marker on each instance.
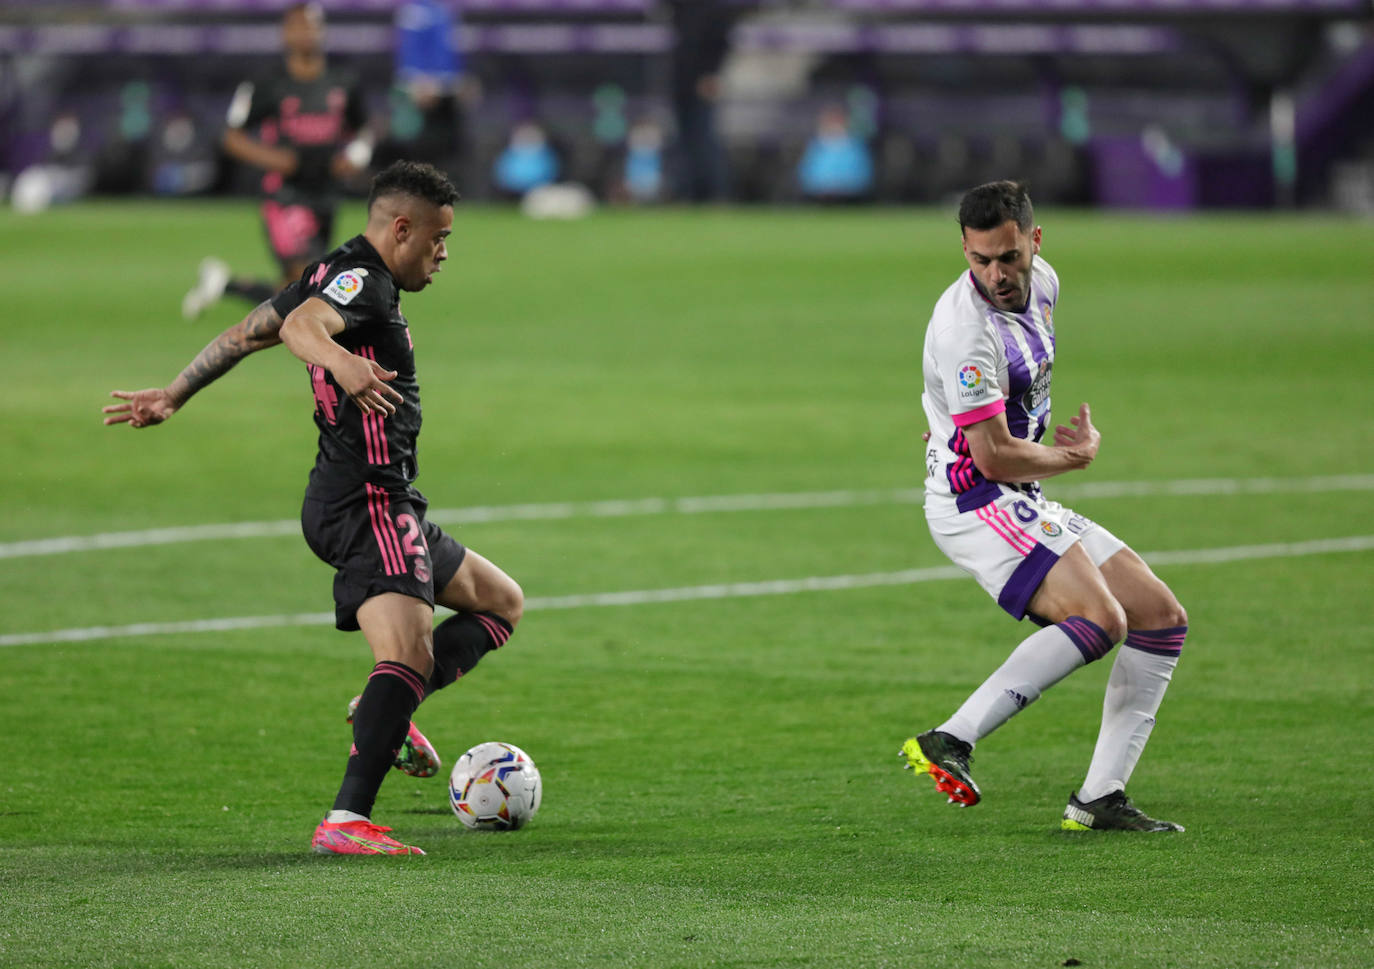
(989, 352)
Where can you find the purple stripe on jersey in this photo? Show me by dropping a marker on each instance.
(966, 482)
(961, 473)
(979, 495)
(1090, 638)
(1161, 642)
(1032, 332)
(1018, 370)
(1018, 382)
(1017, 593)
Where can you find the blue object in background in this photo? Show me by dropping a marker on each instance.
(527, 162)
(425, 43)
(836, 165)
(644, 179)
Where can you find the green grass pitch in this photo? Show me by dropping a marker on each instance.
(721, 779)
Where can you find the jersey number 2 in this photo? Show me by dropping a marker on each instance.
(413, 543)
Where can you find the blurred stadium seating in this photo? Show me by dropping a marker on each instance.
(1133, 103)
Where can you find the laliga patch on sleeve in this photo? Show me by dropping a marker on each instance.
(343, 287)
(973, 382)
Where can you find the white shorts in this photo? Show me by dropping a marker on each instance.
(1009, 545)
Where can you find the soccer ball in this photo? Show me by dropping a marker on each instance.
(495, 787)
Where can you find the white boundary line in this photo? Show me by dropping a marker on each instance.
(685, 506)
(734, 590)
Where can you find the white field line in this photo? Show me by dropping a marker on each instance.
(732, 590)
(687, 506)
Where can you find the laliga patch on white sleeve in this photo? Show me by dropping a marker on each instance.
(973, 384)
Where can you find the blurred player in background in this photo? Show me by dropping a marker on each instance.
(989, 351)
(701, 41)
(362, 513)
(309, 121)
(432, 77)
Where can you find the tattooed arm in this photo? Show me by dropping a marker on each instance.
(258, 330)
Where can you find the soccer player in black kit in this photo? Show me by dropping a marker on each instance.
(362, 513)
(304, 128)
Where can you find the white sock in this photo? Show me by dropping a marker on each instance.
(1134, 691)
(339, 817)
(1043, 659)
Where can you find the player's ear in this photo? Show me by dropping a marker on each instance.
(1035, 241)
(400, 228)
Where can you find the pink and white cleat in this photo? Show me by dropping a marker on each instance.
(417, 756)
(357, 838)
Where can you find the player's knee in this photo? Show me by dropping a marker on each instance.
(1165, 613)
(418, 655)
(1110, 618)
(510, 604)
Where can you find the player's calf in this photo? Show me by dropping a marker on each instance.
(416, 756)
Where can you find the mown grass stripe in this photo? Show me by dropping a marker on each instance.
(708, 504)
(730, 590)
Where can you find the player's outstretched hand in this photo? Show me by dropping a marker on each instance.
(143, 408)
(1081, 435)
(365, 382)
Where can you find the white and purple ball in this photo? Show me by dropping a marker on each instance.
(495, 787)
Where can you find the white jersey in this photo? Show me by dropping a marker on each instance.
(980, 361)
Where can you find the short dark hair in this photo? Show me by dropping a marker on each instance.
(991, 204)
(415, 179)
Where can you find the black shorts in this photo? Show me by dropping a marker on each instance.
(379, 543)
(297, 233)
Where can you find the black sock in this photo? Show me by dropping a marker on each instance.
(380, 724)
(253, 290)
(460, 641)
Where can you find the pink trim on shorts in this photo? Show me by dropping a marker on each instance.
(388, 542)
(1000, 522)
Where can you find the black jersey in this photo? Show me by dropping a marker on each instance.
(314, 118)
(357, 448)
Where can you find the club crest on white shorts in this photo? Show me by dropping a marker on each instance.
(1010, 544)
